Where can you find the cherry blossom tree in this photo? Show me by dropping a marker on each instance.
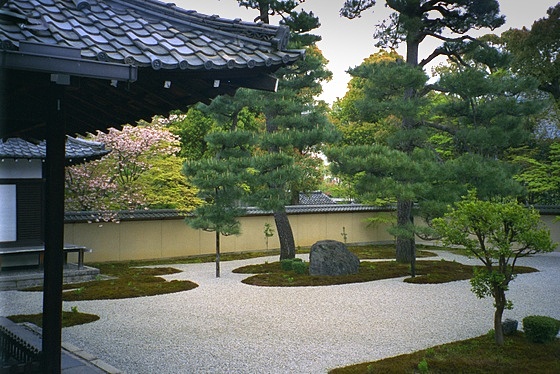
(142, 160)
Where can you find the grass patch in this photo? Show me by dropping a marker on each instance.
(71, 318)
(477, 355)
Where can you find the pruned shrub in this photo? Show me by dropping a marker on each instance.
(300, 267)
(287, 264)
(540, 329)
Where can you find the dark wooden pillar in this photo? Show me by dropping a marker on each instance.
(54, 232)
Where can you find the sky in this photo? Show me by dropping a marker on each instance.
(346, 43)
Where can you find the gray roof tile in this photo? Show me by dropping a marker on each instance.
(143, 31)
(77, 150)
(314, 198)
(152, 214)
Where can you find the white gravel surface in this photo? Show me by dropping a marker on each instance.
(224, 326)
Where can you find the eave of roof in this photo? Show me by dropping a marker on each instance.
(147, 33)
(77, 150)
(148, 58)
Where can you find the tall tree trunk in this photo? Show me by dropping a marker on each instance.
(500, 301)
(285, 235)
(406, 247)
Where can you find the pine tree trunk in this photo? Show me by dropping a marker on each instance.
(285, 235)
(406, 247)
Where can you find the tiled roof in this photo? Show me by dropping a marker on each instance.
(121, 61)
(144, 33)
(155, 214)
(315, 198)
(77, 150)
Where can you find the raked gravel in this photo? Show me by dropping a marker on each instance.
(224, 326)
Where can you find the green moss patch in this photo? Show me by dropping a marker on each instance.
(479, 355)
(72, 318)
(125, 281)
(272, 274)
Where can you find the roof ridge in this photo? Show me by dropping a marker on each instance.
(274, 35)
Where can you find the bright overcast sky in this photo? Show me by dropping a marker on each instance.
(347, 42)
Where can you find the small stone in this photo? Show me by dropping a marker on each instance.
(331, 257)
(509, 326)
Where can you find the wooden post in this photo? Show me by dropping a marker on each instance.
(54, 233)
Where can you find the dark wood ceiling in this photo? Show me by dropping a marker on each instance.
(95, 104)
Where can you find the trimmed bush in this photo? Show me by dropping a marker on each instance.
(540, 329)
(287, 264)
(300, 267)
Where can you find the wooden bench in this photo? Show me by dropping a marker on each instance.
(39, 250)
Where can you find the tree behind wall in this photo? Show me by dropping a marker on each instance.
(141, 171)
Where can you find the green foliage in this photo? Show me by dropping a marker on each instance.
(497, 233)
(541, 329)
(476, 108)
(493, 230)
(534, 51)
(191, 128)
(423, 367)
(300, 267)
(289, 125)
(541, 176)
(220, 187)
(142, 171)
(165, 188)
(268, 230)
(484, 283)
(287, 264)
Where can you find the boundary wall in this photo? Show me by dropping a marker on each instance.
(158, 235)
(165, 234)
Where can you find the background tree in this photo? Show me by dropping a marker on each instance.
(411, 23)
(498, 233)
(535, 51)
(473, 116)
(191, 128)
(142, 171)
(540, 173)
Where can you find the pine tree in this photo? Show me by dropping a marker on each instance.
(294, 125)
(411, 23)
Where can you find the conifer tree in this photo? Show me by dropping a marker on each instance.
(412, 22)
(294, 125)
(220, 180)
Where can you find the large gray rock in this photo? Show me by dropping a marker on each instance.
(331, 257)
